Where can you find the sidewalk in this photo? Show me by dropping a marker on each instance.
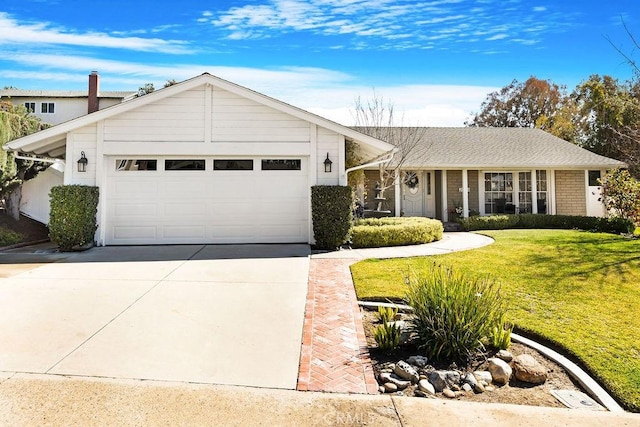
(27, 400)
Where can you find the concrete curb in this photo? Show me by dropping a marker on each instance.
(590, 385)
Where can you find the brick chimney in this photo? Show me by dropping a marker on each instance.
(94, 90)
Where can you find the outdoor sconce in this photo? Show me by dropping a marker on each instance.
(82, 162)
(327, 164)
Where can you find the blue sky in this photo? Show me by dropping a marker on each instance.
(435, 60)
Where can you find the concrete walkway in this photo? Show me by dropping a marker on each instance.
(451, 242)
(195, 313)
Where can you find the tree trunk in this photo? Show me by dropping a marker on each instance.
(12, 203)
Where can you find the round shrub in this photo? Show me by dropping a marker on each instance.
(394, 231)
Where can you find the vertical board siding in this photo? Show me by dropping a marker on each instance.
(179, 118)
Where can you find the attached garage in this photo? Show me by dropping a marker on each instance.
(207, 200)
(202, 161)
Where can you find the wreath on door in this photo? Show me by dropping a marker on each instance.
(411, 179)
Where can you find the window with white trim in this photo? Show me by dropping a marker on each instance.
(30, 107)
(48, 108)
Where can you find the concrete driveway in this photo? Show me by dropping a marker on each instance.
(223, 314)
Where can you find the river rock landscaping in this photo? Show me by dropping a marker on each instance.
(519, 375)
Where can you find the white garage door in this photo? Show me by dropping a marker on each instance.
(155, 200)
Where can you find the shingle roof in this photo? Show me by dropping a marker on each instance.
(21, 93)
(478, 147)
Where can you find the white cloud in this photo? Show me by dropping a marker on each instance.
(42, 33)
(365, 23)
(328, 93)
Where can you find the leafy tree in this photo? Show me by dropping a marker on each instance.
(377, 118)
(170, 82)
(621, 194)
(16, 122)
(147, 88)
(607, 118)
(534, 103)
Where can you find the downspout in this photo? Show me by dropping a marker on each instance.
(388, 158)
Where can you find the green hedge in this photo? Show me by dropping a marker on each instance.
(72, 222)
(394, 231)
(331, 212)
(615, 225)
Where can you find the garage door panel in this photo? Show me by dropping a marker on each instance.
(143, 188)
(140, 209)
(187, 232)
(210, 206)
(134, 233)
(171, 210)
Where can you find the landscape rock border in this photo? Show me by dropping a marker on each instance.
(594, 389)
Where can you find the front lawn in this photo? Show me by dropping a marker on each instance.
(578, 289)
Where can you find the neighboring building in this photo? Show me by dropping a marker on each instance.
(202, 161)
(58, 106)
(495, 170)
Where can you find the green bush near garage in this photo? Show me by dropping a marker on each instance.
(72, 221)
(614, 225)
(8, 237)
(331, 212)
(395, 231)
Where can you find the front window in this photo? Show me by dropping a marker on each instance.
(30, 106)
(498, 192)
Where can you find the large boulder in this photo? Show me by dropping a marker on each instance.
(500, 371)
(526, 368)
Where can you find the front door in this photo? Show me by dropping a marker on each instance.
(412, 189)
(595, 207)
(417, 194)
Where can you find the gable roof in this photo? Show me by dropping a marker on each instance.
(51, 141)
(500, 148)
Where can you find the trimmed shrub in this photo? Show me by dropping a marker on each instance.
(72, 221)
(331, 214)
(453, 313)
(9, 237)
(393, 231)
(615, 225)
(494, 222)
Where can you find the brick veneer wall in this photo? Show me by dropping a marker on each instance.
(571, 198)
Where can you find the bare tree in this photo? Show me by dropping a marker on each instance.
(377, 118)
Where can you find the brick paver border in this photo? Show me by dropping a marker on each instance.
(334, 355)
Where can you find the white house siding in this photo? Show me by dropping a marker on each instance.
(83, 139)
(35, 194)
(238, 119)
(176, 119)
(329, 142)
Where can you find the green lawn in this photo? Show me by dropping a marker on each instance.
(578, 289)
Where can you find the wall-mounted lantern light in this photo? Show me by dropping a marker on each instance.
(327, 164)
(82, 162)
